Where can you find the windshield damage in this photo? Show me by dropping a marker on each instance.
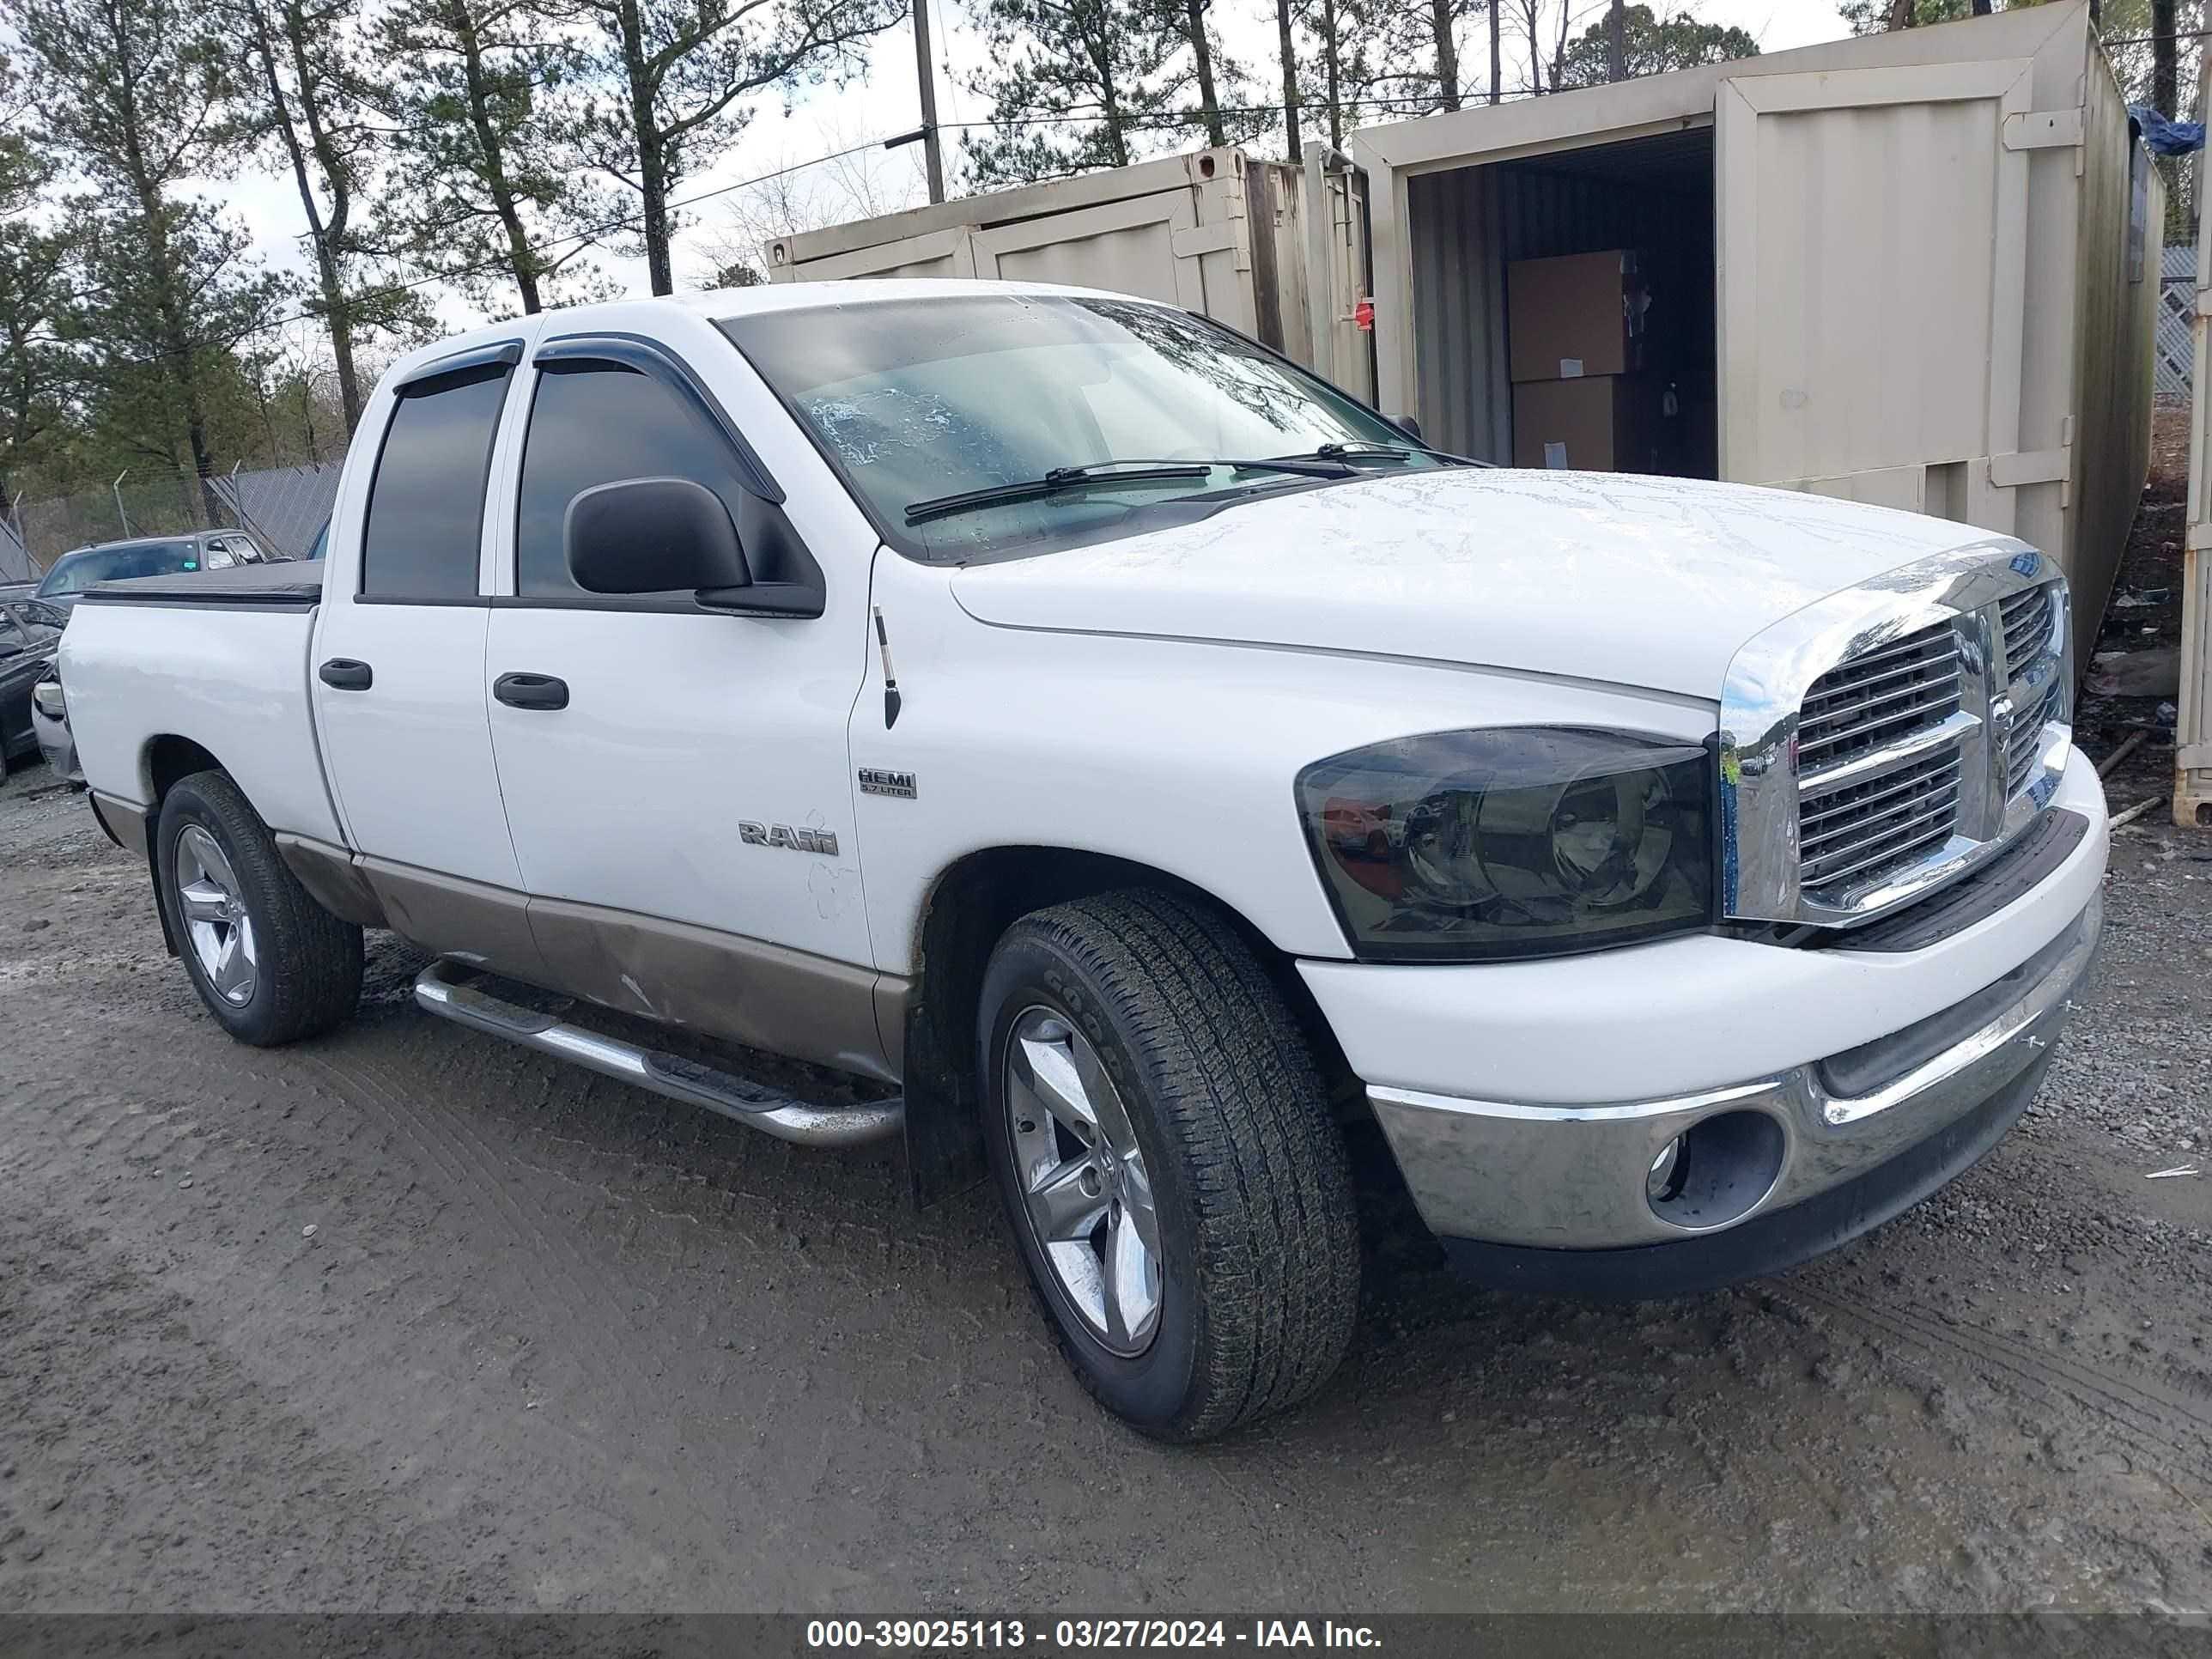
(979, 426)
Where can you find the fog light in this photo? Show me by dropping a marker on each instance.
(1717, 1171)
(47, 694)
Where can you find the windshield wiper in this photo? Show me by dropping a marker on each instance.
(1358, 449)
(1055, 483)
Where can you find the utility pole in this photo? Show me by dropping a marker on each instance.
(1616, 42)
(931, 150)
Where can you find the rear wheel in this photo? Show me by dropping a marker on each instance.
(271, 965)
(1167, 1157)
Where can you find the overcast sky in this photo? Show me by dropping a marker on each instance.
(885, 100)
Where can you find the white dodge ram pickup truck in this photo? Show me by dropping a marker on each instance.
(1143, 762)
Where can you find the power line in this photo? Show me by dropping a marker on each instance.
(1085, 116)
(591, 233)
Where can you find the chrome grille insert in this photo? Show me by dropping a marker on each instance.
(1862, 830)
(2026, 739)
(1879, 697)
(1879, 742)
(2025, 621)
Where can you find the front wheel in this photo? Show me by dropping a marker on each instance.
(271, 965)
(1165, 1148)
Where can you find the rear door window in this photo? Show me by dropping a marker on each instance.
(426, 502)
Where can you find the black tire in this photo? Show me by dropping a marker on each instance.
(1259, 1237)
(308, 968)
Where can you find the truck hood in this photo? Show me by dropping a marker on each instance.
(1637, 581)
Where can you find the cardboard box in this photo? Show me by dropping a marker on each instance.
(1576, 316)
(1599, 423)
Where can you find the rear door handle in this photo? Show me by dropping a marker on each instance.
(344, 674)
(530, 691)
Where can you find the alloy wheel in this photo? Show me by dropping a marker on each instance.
(1086, 1192)
(215, 919)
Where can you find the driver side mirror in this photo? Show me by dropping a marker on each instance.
(649, 535)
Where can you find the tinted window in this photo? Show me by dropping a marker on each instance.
(426, 506)
(597, 424)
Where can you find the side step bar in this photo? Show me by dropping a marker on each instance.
(687, 1080)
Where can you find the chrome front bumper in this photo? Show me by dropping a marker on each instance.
(1582, 1178)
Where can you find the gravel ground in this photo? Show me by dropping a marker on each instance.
(409, 1318)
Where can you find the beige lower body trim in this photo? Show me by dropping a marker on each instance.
(715, 985)
(123, 820)
(719, 985)
(332, 878)
(471, 922)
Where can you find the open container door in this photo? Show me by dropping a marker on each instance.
(2192, 736)
(1847, 199)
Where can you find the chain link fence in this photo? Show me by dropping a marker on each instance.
(281, 507)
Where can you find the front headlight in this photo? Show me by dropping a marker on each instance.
(1522, 842)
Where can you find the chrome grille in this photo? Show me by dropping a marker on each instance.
(2026, 738)
(2025, 621)
(1880, 697)
(1862, 765)
(1859, 830)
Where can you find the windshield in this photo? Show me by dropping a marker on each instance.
(76, 572)
(916, 400)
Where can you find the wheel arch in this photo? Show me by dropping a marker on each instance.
(966, 911)
(166, 759)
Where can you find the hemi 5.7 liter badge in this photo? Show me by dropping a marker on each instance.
(874, 781)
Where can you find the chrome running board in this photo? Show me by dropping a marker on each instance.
(687, 1080)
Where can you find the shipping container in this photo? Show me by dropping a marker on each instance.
(2192, 733)
(1918, 268)
(1275, 250)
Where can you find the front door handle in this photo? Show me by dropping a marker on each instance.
(344, 674)
(530, 691)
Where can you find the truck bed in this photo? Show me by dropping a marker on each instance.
(219, 659)
(288, 585)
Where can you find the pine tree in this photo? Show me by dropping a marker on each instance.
(1074, 86)
(672, 79)
(1217, 81)
(481, 188)
(306, 88)
(134, 96)
(35, 305)
(1654, 44)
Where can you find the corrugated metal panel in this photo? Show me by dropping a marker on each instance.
(2123, 216)
(16, 564)
(1459, 308)
(1215, 231)
(1873, 282)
